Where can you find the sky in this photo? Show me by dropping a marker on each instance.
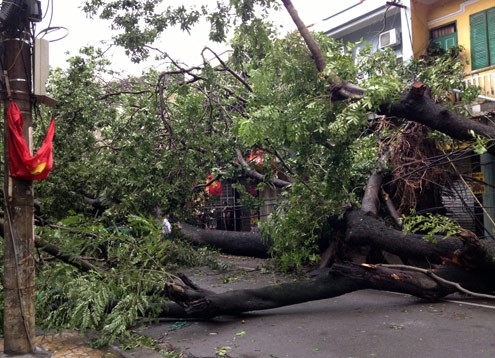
(76, 30)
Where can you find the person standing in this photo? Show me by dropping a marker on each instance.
(166, 228)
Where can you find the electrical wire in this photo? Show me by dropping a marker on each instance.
(474, 196)
(384, 19)
(48, 30)
(18, 54)
(27, 67)
(50, 7)
(46, 9)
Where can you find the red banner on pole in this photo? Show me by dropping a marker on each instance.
(22, 164)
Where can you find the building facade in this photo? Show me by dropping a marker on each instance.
(470, 24)
(410, 27)
(380, 24)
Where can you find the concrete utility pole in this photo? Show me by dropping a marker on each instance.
(19, 270)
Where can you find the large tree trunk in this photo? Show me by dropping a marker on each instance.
(417, 107)
(365, 230)
(230, 242)
(194, 302)
(467, 250)
(464, 264)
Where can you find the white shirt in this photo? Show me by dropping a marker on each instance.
(167, 228)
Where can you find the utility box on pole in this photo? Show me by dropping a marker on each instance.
(41, 66)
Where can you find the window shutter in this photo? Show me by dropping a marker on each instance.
(446, 41)
(490, 15)
(479, 41)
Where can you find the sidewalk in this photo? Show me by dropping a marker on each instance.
(67, 344)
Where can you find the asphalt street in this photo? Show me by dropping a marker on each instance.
(358, 325)
(361, 324)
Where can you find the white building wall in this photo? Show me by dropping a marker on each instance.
(366, 20)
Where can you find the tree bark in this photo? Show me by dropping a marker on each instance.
(364, 230)
(194, 302)
(308, 38)
(371, 196)
(466, 251)
(230, 242)
(417, 107)
(340, 89)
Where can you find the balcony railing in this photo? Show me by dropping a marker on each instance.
(486, 81)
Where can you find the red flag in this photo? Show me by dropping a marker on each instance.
(215, 188)
(22, 164)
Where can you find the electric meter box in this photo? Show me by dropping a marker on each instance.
(41, 66)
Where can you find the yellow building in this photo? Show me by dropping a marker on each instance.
(470, 24)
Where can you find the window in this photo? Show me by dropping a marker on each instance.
(483, 38)
(445, 36)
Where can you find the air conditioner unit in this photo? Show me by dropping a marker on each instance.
(388, 38)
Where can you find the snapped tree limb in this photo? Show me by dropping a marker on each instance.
(340, 90)
(230, 242)
(417, 107)
(363, 229)
(72, 260)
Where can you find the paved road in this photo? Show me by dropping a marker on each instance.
(359, 325)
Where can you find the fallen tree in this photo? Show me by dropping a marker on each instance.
(465, 259)
(364, 229)
(456, 264)
(461, 263)
(192, 301)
